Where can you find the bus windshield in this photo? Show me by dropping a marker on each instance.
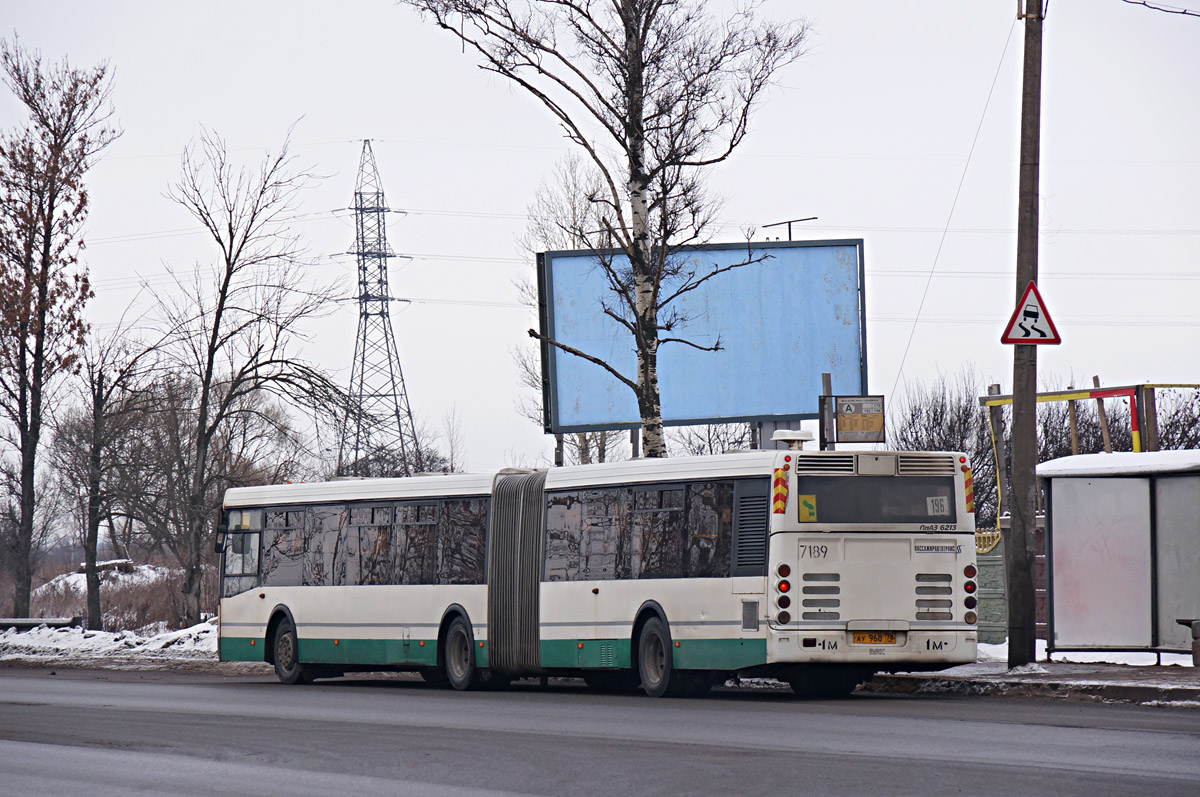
(876, 499)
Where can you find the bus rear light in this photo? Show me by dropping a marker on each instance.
(783, 602)
(970, 617)
(784, 586)
(784, 618)
(970, 602)
(784, 570)
(969, 587)
(969, 571)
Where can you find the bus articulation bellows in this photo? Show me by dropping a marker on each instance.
(819, 568)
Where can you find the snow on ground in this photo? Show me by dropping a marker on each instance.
(75, 584)
(999, 653)
(197, 647)
(68, 644)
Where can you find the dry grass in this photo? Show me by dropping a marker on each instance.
(129, 604)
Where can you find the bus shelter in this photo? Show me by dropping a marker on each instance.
(1123, 550)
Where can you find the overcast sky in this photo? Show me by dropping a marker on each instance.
(870, 132)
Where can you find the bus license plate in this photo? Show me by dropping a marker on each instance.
(874, 637)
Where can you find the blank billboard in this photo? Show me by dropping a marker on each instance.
(782, 322)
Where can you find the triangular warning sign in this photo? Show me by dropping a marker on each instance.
(1030, 322)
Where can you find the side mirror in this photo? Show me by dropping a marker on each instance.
(219, 545)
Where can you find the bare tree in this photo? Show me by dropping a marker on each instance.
(713, 438)
(1179, 419)
(257, 444)
(653, 92)
(560, 210)
(43, 289)
(232, 331)
(946, 416)
(94, 437)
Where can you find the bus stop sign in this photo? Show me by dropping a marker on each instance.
(859, 419)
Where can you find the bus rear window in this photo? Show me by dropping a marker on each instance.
(875, 499)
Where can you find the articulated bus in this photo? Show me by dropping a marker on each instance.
(818, 568)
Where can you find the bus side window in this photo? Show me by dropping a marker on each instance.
(415, 543)
(461, 534)
(658, 529)
(709, 529)
(283, 548)
(241, 563)
(564, 526)
(374, 527)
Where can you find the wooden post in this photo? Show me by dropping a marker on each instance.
(996, 415)
(828, 437)
(1019, 546)
(1150, 425)
(1103, 418)
(1074, 422)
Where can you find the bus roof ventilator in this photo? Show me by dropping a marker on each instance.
(795, 438)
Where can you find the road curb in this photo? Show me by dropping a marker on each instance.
(1017, 687)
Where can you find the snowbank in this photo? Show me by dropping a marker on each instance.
(75, 584)
(60, 644)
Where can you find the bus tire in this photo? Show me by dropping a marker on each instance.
(659, 678)
(459, 657)
(287, 655)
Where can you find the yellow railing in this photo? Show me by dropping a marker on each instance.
(985, 541)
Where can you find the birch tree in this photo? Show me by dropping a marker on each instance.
(653, 92)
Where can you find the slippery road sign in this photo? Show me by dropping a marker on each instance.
(1030, 322)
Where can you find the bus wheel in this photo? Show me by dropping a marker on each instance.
(287, 655)
(654, 660)
(459, 656)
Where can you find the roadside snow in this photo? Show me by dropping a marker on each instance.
(51, 644)
(75, 584)
(999, 653)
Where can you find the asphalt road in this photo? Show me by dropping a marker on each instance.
(99, 732)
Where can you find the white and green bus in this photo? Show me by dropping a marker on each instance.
(818, 568)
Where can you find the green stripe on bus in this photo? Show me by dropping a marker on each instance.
(416, 652)
(691, 654)
(719, 654)
(557, 653)
(240, 649)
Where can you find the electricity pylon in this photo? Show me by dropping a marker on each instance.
(379, 437)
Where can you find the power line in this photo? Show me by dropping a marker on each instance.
(1068, 275)
(1164, 8)
(962, 179)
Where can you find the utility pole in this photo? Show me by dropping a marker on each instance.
(1019, 555)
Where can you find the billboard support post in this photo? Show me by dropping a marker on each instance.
(827, 433)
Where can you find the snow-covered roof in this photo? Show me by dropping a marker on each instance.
(1122, 463)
